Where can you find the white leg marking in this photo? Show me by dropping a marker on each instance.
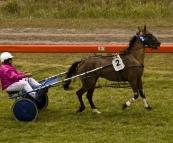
(96, 111)
(128, 103)
(145, 102)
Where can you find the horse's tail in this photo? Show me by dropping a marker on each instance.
(72, 71)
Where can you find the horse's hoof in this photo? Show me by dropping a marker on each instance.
(80, 109)
(96, 111)
(124, 106)
(149, 108)
(68, 88)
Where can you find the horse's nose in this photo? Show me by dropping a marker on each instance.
(159, 43)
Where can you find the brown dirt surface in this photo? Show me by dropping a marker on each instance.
(31, 36)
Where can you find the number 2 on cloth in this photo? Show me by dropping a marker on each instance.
(118, 64)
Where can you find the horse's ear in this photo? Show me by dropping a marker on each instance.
(139, 28)
(145, 28)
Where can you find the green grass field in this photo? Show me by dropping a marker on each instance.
(59, 122)
(86, 14)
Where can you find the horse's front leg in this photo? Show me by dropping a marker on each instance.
(136, 94)
(130, 101)
(142, 94)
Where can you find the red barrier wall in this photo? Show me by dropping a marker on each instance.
(76, 48)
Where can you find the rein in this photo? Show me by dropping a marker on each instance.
(98, 69)
(129, 51)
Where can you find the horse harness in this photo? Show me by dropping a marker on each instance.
(142, 39)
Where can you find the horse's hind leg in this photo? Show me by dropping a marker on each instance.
(142, 94)
(89, 96)
(79, 93)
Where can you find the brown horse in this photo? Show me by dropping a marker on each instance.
(133, 59)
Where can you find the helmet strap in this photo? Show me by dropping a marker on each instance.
(6, 61)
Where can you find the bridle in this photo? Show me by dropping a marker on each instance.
(148, 39)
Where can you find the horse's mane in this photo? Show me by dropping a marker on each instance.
(127, 50)
(132, 41)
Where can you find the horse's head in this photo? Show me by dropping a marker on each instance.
(147, 38)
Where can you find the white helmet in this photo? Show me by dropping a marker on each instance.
(5, 56)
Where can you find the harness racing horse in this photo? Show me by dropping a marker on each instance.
(133, 59)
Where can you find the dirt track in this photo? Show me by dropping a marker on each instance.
(73, 37)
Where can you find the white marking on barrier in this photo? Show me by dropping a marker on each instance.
(96, 111)
(101, 48)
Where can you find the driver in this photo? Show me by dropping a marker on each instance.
(13, 80)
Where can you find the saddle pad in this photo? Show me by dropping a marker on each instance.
(118, 64)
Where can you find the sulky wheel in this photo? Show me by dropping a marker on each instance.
(24, 110)
(41, 102)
